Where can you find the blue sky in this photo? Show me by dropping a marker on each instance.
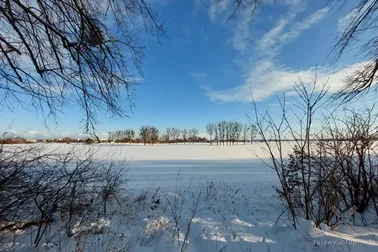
(206, 69)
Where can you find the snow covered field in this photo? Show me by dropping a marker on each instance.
(158, 165)
(200, 198)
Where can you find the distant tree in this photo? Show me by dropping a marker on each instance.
(132, 135)
(253, 130)
(129, 135)
(144, 134)
(210, 128)
(184, 134)
(169, 134)
(216, 133)
(121, 136)
(222, 131)
(231, 128)
(153, 134)
(164, 138)
(237, 129)
(226, 132)
(110, 136)
(246, 131)
(175, 132)
(193, 134)
(228, 128)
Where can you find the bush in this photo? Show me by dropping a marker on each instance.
(329, 170)
(38, 188)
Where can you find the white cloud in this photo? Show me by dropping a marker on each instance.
(268, 78)
(242, 30)
(242, 35)
(241, 23)
(266, 45)
(215, 8)
(277, 37)
(345, 21)
(303, 25)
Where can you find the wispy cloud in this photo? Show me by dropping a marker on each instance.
(284, 32)
(241, 34)
(361, 8)
(268, 78)
(303, 25)
(346, 20)
(268, 43)
(242, 30)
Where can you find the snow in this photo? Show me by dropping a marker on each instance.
(237, 208)
(166, 152)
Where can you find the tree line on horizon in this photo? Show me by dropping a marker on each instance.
(230, 132)
(222, 132)
(150, 134)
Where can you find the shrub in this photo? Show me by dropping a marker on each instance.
(38, 188)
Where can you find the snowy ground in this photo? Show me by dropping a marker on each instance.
(237, 207)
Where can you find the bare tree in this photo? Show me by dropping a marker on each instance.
(296, 177)
(175, 134)
(110, 136)
(56, 51)
(184, 133)
(308, 102)
(235, 131)
(131, 135)
(121, 136)
(360, 175)
(228, 128)
(210, 127)
(222, 130)
(164, 138)
(153, 134)
(254, 131)
(216, 133)
(169, 135)
(246, 129)
(363, 20)
(268, 128)
(144, 134)
(193, 135)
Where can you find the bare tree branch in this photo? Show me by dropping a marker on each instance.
(59, 51)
